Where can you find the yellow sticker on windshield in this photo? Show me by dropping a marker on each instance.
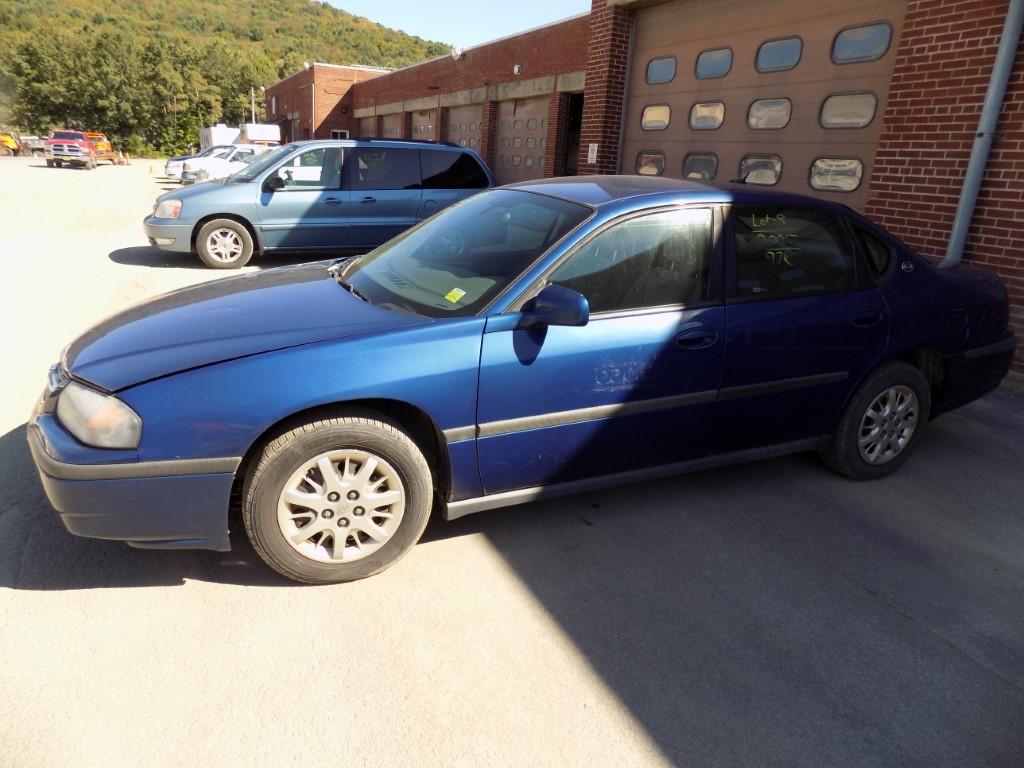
(454, 295)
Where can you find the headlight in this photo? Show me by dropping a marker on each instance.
(168, 209)
(96, 419)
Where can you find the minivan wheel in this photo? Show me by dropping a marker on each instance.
(882, 424)
(224, 244)
(337, 499)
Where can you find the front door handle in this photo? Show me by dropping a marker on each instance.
(368, 200)
(332, 201)
(697, 338)
(867, 319)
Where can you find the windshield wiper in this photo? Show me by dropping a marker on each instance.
(350, 288)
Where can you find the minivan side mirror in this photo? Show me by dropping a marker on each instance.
(273, 184)
(556, 305)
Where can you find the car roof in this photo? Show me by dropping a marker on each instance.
(376, 142)
(598, 191)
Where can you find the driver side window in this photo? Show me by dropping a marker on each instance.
(657, 260)
(311, 170)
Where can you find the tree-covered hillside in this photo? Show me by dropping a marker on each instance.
(151, 72)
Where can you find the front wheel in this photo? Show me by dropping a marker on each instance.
(224, 244)
(337, 499)
(882, 424)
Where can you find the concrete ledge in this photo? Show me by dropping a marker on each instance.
(521, 89)
(572, 82)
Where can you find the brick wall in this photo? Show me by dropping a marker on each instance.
(543, 52)
(334, 108)
(942, 68)
(607, 65)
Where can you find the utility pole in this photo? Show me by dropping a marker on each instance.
(252, 98)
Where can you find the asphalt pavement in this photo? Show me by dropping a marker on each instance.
(769, 614)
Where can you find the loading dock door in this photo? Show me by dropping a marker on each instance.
(464, 126)
(522, 138)
(744, 105)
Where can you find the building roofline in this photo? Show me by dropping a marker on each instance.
(531, 30)
(358, 67)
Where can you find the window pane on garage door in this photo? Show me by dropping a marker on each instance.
(522, 137)
(780, 113)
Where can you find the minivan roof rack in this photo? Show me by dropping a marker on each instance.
(412, 141)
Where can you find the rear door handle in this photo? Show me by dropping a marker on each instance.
(867, 319)
(368, 200)
(697, 338)
(332, 201)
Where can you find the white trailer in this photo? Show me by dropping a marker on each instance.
(266, 134)
(218, 134)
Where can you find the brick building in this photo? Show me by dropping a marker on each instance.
(874, 104)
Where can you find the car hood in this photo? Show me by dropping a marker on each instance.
(222, 320)
(185, 193)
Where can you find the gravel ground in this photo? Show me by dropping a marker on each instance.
(767, 614)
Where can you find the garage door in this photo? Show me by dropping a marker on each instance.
(522, 137)
(391, 126)
(423, 125)
(464, 126)
(366, 126)
(776, 91)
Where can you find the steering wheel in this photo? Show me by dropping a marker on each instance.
(451, 244)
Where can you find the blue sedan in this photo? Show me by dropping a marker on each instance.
(534, 340)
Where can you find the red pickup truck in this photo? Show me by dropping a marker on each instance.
(71, 147)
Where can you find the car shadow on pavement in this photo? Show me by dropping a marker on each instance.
(780, 610)
(36, 553)
(149, 256)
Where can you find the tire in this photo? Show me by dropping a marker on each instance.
(58, 163)
(292, 462)
(49, 163)
(889, 412)
(218, 241)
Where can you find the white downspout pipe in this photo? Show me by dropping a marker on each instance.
(986, 129)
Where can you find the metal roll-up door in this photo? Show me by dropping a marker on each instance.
(391, 126)
(521, 139)
(367, 126)
(423, 125)
(464, 126)
(774, 114)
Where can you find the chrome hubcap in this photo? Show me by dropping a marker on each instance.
(224, 245)
(888, 425)
(341, 506)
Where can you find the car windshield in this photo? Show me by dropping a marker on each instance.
(454, 263)
(66, 135)
(260, 163)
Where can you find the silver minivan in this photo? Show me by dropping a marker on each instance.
(336, 196)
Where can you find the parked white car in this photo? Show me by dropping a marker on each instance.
(174, 167)
(220, 165)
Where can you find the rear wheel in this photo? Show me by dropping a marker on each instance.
(224, 244)
(337, 499)
(49, 163)
(882, 424)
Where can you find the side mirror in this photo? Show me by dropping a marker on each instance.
(273, 184)
(556, 305)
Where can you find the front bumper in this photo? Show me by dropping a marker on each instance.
(168, 234)
(156, 504)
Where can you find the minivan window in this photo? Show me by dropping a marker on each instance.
(454, 263)
(261, 164)
(383, 168)
(318, 168)
(451, 170)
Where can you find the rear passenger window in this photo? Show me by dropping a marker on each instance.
(877, 252)
(451, 170)
(381, 168)
(783, 252)
(649, 261)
